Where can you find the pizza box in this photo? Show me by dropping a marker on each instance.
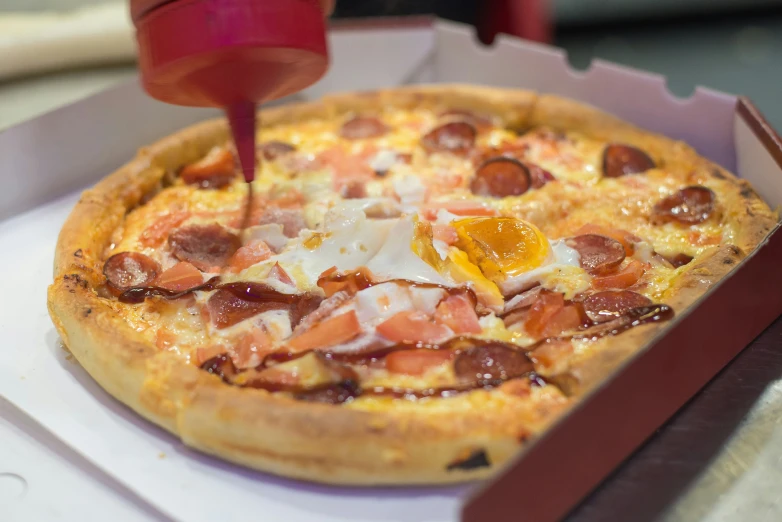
(45, 162)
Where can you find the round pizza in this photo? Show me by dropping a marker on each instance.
(418, 283)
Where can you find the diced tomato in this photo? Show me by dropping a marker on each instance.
(623, 278)
(460, 207)
(157, 232)
(277, 272)
(248, 255)
(566, 318)
(550, 353)
(416, 362)
(180, 277)
(204, 354)
(345, 166)
(412, 326)
(251, 348)
(542, 311)
(445, 233)
(164, 339)
(623, 236)
(457, 313)
(216, 169)
(334, 330)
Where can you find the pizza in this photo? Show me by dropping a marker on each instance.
(424, 278)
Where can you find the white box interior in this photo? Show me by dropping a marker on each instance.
(44, 161)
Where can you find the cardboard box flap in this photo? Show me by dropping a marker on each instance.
(705, 120)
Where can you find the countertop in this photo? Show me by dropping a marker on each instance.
(718, 459)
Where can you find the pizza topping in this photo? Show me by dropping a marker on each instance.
(501, 177)
(457, 137)
(291, 220)
(678, 260)
(480, 122)
(608, 305)
(457, 312)
(227, 309)
(363, 127)
(627, 239)
(689, 206)
(180, 277)
(416, 361)
(354, 189)
(130, 269)
(619, 160)
(599, 254)
(330, 332)
(413, 326)
(624, 278)
(205, 246)
(222, 366)
(271, 150)
(216, 170)
(539, 175)
(252, 253)
(157, 232)
(491, 362)
(251, 348)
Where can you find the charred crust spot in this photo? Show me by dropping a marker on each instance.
(734, 250)
(75, 279)
(747, 192)
(78, 253)
(87, 312)
(717, 173)
(476, 459)
(523, 438)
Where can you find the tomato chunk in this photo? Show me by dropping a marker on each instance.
(412, 326)
(542, 311)
(251, 348)
(416, 362)
(460, 207)
(457, 313)
(217, 169)
(157, 232)
(204, 354)
(180, 277)
(334, 330)
(248, 255)
(566, 318)
(623, 278)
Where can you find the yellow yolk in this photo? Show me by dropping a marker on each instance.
(502, 247)
(457, 266)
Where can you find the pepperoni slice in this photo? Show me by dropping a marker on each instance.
(491, 362)
(619, 160)
(292, 220)
(539, 175)
(129, 269)
(501, 177)
(226, 308)
(362, 127)
(689, 206)
(599, 254)
(457, 137)
(204, 246)
(271, 150)
(479, 122)
(608, 305)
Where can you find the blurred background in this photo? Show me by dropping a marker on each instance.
(729, 45)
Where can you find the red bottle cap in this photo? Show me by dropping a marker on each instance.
(231, 54)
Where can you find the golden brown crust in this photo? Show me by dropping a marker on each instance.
(321, 442)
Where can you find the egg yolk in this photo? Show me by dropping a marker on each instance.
(502, 247)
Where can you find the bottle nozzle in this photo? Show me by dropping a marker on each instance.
(241, 117)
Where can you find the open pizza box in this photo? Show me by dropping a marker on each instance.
(45, 162)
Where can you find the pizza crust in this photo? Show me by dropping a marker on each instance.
(338, 444)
